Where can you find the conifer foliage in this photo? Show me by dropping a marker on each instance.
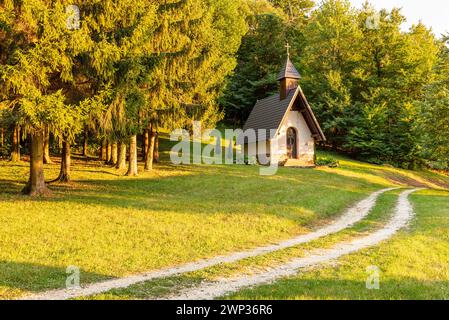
(379, 91)
(105, 73)
(37, 74)
(120, 67)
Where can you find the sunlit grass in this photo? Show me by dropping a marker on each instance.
(414, 264)
(161, 287)
(387, 174)
(109, 225)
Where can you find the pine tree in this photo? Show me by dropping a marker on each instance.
(260, 58)
(37, 71)
(397, 68)
(433, 127)
(296, 10)
(189, 64)
(331, 54)
(122, 34)
(364, 79)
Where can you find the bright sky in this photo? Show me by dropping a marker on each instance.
(433, 13)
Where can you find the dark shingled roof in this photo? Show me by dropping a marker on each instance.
(269, 113)
(289, 71)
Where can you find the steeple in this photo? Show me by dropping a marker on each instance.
(288, 76)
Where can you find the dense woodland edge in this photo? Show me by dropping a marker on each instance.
(127, 70)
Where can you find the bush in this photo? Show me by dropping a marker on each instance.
(5, 151)
(327, 161)
(438, 165)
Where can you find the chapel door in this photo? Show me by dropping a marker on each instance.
(292, 146)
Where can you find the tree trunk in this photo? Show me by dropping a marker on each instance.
(146, 138)
(150, 152)
(86, 143)
(47, 159)
(103, 150)
(27, 143)
(121, 160)
(66, 161)
(36, 183)
(156, 149)
(108, 151)
(2, 137)
(15, 153)
(132, 168)
(114, 153)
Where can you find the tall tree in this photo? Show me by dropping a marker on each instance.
(190, 64)
(271, 25)
(121, 32)
(296, 10)
(259, 60)
(38, 68)
(397, 68)
(434, 114)
(363, 77)
(331, 54)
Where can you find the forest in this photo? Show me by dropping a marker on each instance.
(104, 78)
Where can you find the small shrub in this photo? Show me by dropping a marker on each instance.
(5, 152)
(327, 161)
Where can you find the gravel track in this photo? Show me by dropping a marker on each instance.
(349, 218)
(210, 290)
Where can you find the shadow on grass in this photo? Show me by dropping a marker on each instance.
(11, 187)
(290, 289)
(27, 278)
(157, 288)
(98, 171)
(402, 288)
(214, 189)
(220, 191)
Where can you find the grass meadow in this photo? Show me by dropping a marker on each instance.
(111, 226)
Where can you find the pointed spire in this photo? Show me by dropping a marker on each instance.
(289, 70)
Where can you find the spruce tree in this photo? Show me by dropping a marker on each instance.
(37, 71)
(433, 128)
(260, 58)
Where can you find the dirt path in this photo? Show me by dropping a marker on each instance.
(349, 218)
(403, 214)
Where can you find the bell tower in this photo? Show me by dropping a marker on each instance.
(288, 77)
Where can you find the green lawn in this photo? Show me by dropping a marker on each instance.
(160, 288)
(110, 226)
(414, 264)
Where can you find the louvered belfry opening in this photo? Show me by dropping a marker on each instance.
(288, 78)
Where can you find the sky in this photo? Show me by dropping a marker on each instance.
(433, 13)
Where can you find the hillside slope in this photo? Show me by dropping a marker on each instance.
(110, 226)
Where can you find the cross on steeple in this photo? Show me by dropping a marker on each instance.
(288, 49)
(288, 76)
